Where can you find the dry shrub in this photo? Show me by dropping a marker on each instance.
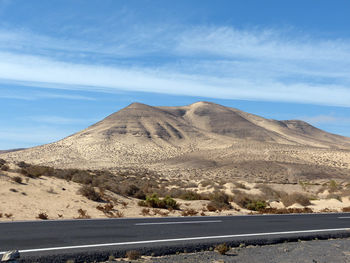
(133, 255)
(220, 201)
(160, 212)
(82, 214)
(286, 210)
(8, 215)
(90, 193)
(269, 193)
(36, 171)
(124, 204)
(206, 183)
(222, 249)
(106, 209)
(334, 196)
(118, 214)
(145, 212)
(211, 207)
(250, 202)
(17, 179)
(189, 212)
(43, 216)
(294, 198)
(189, 195)
(4, 167)
(346, 209)
(132, 191)
(109, 211)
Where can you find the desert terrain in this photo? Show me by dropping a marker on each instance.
(207, 158)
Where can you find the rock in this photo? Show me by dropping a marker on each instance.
(11, 256)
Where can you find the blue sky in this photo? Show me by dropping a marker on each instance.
(67, 64)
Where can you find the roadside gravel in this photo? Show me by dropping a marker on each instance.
(317, 251)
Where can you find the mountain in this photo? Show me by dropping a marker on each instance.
(201, 138)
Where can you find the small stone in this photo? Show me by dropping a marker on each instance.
(11, 256)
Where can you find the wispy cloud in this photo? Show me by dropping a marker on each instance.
(216, 62)
(33, 95)
(326, 119)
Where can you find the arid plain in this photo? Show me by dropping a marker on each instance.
(208, 158)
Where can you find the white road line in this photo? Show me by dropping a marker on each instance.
(344, 217)
(180, 239)
(178, 222)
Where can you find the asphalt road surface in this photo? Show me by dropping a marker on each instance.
(67, 236)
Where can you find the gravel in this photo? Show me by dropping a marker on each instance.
(317, 251)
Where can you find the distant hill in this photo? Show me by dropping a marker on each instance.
(201, 139)
(11, 150)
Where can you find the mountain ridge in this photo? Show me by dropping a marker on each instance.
(193, 138)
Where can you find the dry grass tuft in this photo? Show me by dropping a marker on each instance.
(43, 216)
(222, 249)
(82, 214)
(133, 255)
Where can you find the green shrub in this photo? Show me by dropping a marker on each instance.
(249, 202)
(191, 195)
(155, 202)
(333, 186)
(256, 205)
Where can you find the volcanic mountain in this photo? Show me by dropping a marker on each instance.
(201, 139)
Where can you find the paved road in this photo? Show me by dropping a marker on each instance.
(89, 235)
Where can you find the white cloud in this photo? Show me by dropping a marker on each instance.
(216, 62)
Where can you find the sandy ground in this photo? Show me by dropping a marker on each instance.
(60, 199)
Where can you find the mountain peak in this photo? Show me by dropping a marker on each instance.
(137, 105)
